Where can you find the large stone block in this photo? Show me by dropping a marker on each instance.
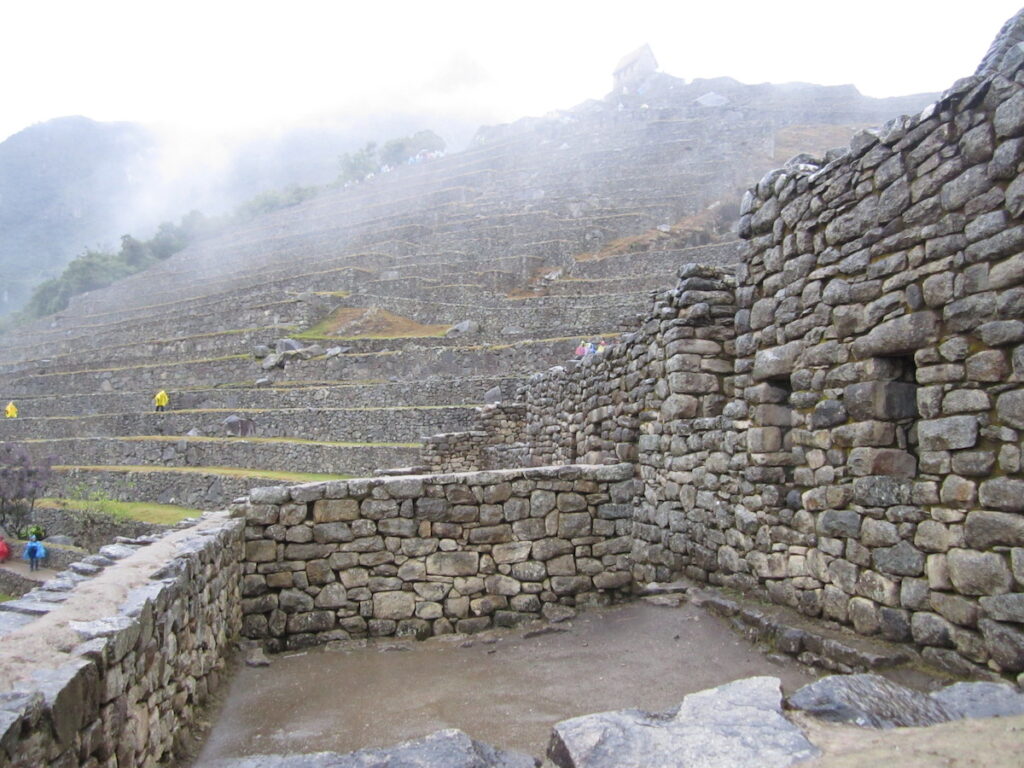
(1010, 408)
(1007, 607)
(453, 564)
(1003, 493)
(776, 362)
(978, 573)
(882, 461)
(885, 400)
(948, 434)
(335, 510)
(260, 551)
(986, 529)
(394, 605)
(1004, 643)
(899, 336)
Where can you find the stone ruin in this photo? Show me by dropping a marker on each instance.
(832, 424)
(835, 424)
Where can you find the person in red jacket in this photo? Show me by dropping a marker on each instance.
(5, 551)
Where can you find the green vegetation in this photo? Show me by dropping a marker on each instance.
(356, 166)
(4, 597)
(262, 474)
(97, 502)
(272, 200)
(22, 479)
(95, 269)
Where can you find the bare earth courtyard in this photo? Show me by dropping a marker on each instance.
(503, 689)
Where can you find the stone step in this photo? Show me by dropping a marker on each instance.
(365, 394)
(205, 488)
(399, 424)
(495, 360)
(249, 453)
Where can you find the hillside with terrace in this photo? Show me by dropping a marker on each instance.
(347, 328)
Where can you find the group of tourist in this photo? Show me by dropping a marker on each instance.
(586, 348)
(34, 551)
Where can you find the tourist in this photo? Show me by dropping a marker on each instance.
(5, 551)
(11, 411)
(581, 348)
(161, 399)
(34, 552)
(600, 346)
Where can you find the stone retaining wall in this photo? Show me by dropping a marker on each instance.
(492, 443)
(325, 458)
(326, 423)
(433, 554)
(197, 490)
(840, 427)
(129, 694)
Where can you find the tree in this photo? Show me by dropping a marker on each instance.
(356, 165)
(22, 481)
(397, 151)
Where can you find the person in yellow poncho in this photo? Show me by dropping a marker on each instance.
(11, 411)
(161, 399)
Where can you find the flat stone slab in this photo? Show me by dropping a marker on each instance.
(450, 748)
(27, 606)
(981, 699)
(84, 569)
(736, 724)
(118, 551)
(12, 621)
(869, 701)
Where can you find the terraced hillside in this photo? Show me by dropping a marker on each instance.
(544, 232)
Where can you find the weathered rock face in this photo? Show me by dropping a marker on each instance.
(427, 555)
(838, 423)
(740, 723)
(871, 701)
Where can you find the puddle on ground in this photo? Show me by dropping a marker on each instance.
(505, 689)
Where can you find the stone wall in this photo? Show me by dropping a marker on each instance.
(131, 691)
(839, 428)
(492, 443)
(430, 555)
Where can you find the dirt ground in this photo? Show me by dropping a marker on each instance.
(507, 689)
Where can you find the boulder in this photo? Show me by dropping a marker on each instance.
(465, 328)
(981, 699)
(237, 426)
(869, 701)
(740, 723)
(287, 345)
(493, 395)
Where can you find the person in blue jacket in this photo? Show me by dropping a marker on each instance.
(34, 552)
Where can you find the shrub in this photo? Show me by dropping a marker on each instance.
(22, 481)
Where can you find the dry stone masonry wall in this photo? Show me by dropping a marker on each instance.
(127, 695)
(430, 555)
(839, 426)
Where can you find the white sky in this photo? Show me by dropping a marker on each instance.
(225, 66)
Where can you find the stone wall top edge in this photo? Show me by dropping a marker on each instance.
(105, 637)
(305, 492)
(820, 170)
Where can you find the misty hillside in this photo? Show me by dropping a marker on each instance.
(72, 183)
(63, 186)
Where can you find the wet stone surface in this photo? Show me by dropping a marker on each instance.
(502, 688)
